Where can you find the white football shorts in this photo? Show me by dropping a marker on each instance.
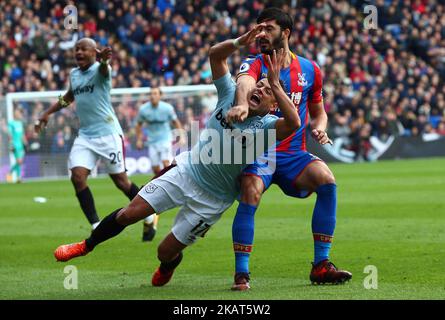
(199, 208)
(157, 152)
(87, 151)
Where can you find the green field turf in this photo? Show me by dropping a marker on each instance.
(390, 215)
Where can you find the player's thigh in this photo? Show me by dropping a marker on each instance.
(199, 213)
(165, 151)
(111, 150)
(154, 154)
(165, 192)
(252, 188)
(255, 179)
(314, 175)
(81, 155)
(291, 167)
(79, 174)
(19, 155)
(189, 226)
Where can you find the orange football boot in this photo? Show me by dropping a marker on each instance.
(67, 252)
(161, 278)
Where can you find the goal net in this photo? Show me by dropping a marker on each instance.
(47, 153)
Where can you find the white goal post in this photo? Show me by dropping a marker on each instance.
(45, 163)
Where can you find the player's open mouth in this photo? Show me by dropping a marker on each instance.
(255, 99)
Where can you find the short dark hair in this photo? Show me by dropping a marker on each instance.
(156, 88)
(283, 19)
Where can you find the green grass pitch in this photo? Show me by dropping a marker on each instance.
(390, 215)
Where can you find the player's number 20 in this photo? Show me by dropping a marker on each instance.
(116, 157)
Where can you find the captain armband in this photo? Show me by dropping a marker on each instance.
(236, 43)
(62, 102)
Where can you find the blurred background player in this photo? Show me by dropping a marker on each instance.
(158, 117)
(17, 142)
(298, 173)
(100, 135)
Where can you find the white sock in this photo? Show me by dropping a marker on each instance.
(94, 225)
(150, 219)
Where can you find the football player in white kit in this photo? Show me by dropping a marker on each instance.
(159, 117)
(100, 135)
(204, 190)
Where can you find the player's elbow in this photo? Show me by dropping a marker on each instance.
(293, 122)
(296, 122)
(289, 126)
(213, 52)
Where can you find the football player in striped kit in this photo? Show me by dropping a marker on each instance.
(298, 173)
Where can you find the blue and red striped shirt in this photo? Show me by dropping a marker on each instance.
(303, 82)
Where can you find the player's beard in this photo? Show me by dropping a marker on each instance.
(277, 43)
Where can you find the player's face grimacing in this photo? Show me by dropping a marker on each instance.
(273, 38)
(261, 99)
(85, 53)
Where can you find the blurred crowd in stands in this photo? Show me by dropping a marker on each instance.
(377, 82)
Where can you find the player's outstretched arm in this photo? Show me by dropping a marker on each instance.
(64, 101)
(219, 53)
(244, 84)
(104, 56)
(290, 121)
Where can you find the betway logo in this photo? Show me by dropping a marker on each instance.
(84, 89)
(222, 120)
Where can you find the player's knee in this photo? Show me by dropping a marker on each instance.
(129, 215)
(123, 218)
(327, 177)
(78, 180)
(122, 183)
(252, 197)
(251, 191)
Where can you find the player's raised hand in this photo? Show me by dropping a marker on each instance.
(250, 36)
(274, 65)
(105, 54)
(40, 123)
(321, 137)
(237, 114)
